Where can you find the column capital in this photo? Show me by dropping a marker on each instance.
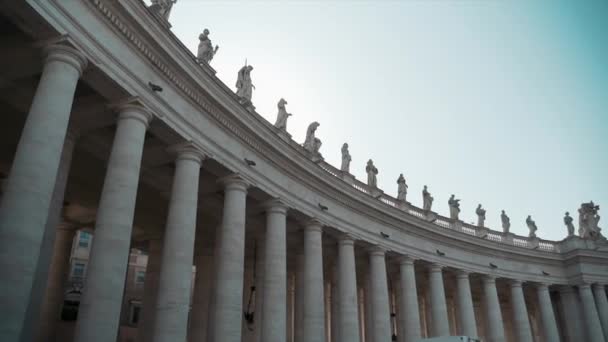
(566, 289)
(406, 260)
(313, 224)
(488, 279)
(58, 51)
(598, 286)
(234, 182)
(584, 286)
(542, 286)
(275, 205)
(435, 268)
(462, 274)
(515, 282)
(188, 151)
(377, 250)
(346, 239)
(132, 108)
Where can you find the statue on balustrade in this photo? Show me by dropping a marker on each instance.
(506, 222)
(163, 7)
(588, 222)
(372, 171)
(401, 188)
(568, 222)
(282, 116)
(312, 144)
(427, 199)
(244, 86)
(531, 227)
(205, 48)
(481, 216)
(346, 158)
(454, 207)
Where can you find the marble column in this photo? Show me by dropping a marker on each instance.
(28, 190)
(409, 314)
(202, 295)
(521, 322)
(99, 311)
(599, 292)
(50, 312)
(228, 307)
(592, 320)
(464, 304)
(546, 313)
(572, 313)
(173, 301)
(381, 312)
(348, 315)
(439, 313)
(274, 307)
(313, 292)
(299, 300)
(496, 331)
(51, 270)
(145, 327)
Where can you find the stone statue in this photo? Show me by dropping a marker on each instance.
(282, 116)
(205, 48)
(588, 221)
(244, 86)
(401, 188)
(312, 144)
(454, 207)
(346, 158)
(506, 222)
(372, 171)
(481, 216)
(427, 199)
(531, 226)
(164, 7)
(568, 222)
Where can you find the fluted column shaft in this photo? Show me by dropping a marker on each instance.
(175, 283)
(313, 292)
(202, 296)
(228, 307)
(546, 313)
(496, 331)
(599, 292)
(464, 304)
(572, 313)
(409, 318)
(274, 306)
(145, 328)
(439, 314)
(381, 312)
(26, 200)
(592, 320)
(99, 311)
(521, 322)
(348, 315)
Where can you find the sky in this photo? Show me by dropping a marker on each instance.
(503, 103)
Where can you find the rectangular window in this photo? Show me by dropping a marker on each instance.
(134, 314)
(78, 269)
(140, 277)
(83, 239)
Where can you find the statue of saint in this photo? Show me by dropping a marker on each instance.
(345, 167)
(282, 116)
(506, 222)
(205, 48)
(531, 226)
(401, 188)
(588, 221)
(164, 7)
(244, 86)
(481, 216)
(454, 207)
(427, 199)
(312, 144)
(568, 222)
(372, 171)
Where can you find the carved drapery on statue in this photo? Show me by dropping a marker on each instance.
(205, 48)
(588, 221)
(372, 172)
(312, 144)
(163, 7)
(481, 216)
(401, 188)
(427, 199)
(454, 207)
(531, 227)
(569, 225)
(244, 86)
(506, 222)
(346, 158)
(282, 116)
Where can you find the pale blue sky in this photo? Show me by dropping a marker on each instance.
(501, 102)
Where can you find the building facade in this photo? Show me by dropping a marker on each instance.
(110, 122)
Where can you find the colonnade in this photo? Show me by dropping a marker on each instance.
(27, 205)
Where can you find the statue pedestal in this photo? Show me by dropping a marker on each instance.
(403, 205)
(482, 232)
(284, 135)
(431, 216)
(375, 192)
(456, 224)
(348, 178)
(155, 9)
(533, 242)
(508, 238)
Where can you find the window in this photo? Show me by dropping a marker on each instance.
(134, 311)
(84, 238)
(140, 276)
(78, 269)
